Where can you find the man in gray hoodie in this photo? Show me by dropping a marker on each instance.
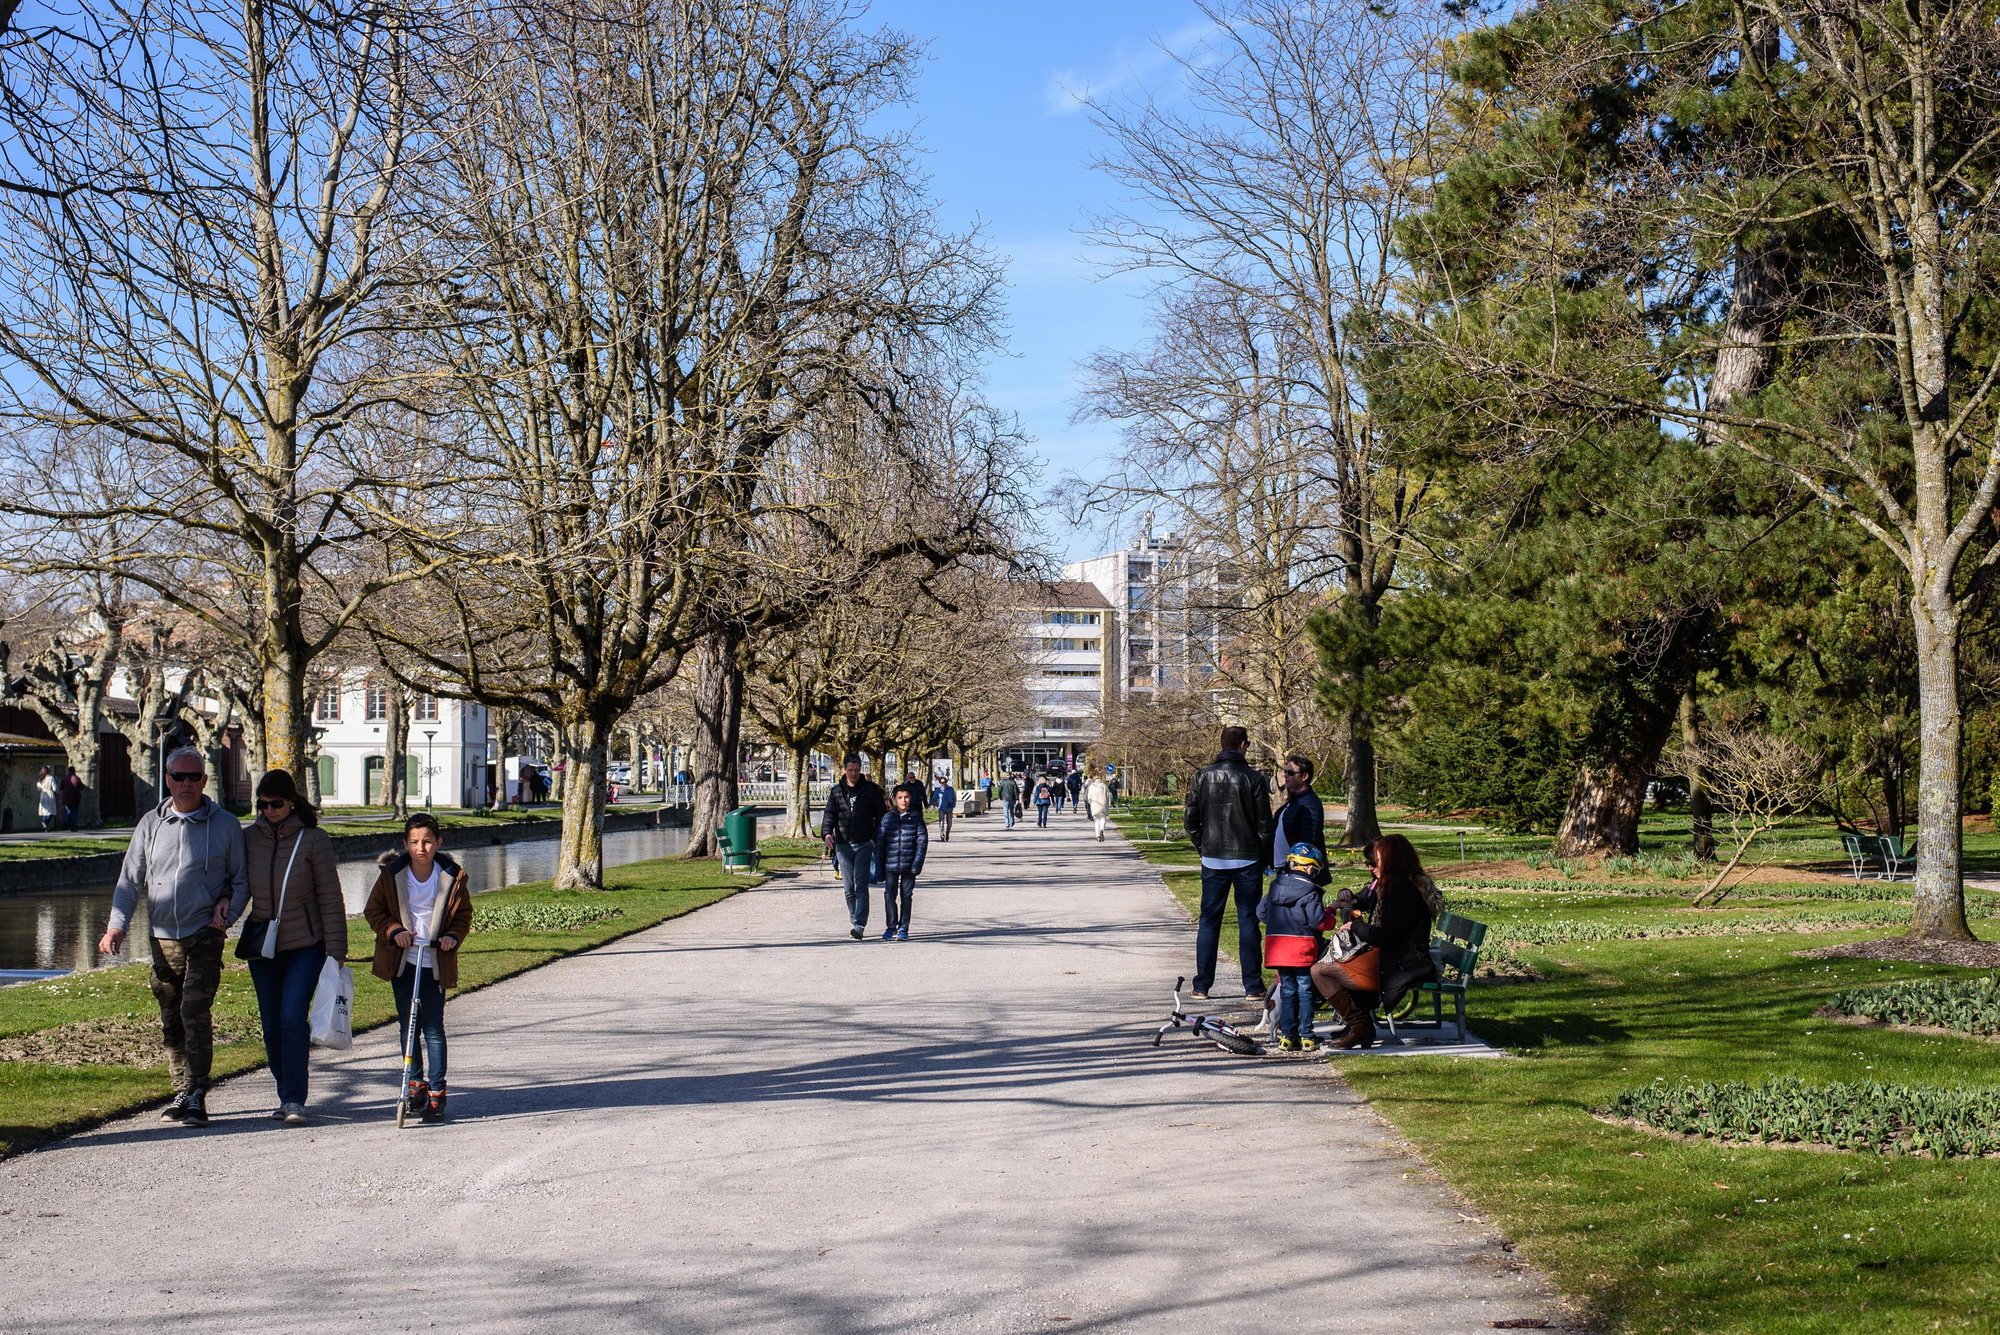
(186, 857)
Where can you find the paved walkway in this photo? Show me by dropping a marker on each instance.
(743, 1120)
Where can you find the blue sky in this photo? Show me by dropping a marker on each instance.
(1008, 149)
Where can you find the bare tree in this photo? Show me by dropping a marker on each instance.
(1757, 778)
(1274, 186)
(202, 239)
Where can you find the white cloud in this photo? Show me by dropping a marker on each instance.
(1124, 69)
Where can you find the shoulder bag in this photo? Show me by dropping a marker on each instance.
(260, 935)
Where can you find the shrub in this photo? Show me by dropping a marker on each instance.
(1868, 1115)
(1968, 1004)
(541, 917)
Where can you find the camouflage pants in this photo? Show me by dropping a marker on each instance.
(185, 976)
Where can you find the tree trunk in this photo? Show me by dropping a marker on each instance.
(1604, 809)
(1363, 822)
(1701, 815)
(284, 699)
(397, 761)
(718, 730)
(1939, 911)
(799, 802)
(580, 855)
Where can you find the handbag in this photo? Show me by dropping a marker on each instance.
(259, 940)
(332, 1010)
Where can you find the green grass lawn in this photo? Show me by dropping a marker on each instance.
(43, 1100)
(1662, 1235)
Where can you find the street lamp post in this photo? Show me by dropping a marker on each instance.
(429, 733)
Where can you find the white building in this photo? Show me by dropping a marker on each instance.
(448, 761)
(1164, 633)
(1068, 633)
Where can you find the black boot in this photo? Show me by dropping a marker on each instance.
(194, 1109)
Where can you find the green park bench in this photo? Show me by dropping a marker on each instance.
(1896, 858)
(1455, 950)
(1888, 849)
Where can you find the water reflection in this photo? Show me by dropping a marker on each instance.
(60, 930)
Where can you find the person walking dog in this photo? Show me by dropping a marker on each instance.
(1227, 808)
(186, 858)
(297, 921)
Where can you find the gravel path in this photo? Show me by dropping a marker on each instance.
(744, 1120)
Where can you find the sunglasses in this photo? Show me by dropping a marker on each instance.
(272, 803)
(187, 778)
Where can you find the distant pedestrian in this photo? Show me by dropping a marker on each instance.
(1226, 812)
(1010, 800)
(48, 799)
(913, 784)
(1056, 791)
(186, 858)
(1075, 783)
(71, 792)
(1097, 802)
(946, 801)
(1302, 818)
(297, 921)
(900, 844)
(1044, 795)
(854, 811)
(420, 909)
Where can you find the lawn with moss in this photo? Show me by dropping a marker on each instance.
(110, 1013)
(1666, 1234)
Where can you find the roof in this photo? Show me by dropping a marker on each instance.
(1067, 593)
(14, 741)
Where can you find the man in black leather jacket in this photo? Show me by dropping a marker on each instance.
(1228, 808)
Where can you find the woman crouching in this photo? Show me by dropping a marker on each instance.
(420, 910)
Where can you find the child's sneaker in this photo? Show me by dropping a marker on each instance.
(1288, 1044)
(416, 1096)
(1307, 1043)
(434, 1107)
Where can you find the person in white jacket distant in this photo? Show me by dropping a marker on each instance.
(1097, 801)
(48, 797)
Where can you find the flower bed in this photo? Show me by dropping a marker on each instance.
(1970, 1005)
(1866, 1115)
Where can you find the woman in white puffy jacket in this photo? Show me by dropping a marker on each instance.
(1097, 801)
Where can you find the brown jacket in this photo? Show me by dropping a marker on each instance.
(389, 906)
(314, 910)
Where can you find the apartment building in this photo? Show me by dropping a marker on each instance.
(1067, 630)
(1162, 631)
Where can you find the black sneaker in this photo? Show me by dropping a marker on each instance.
(194, 1112)
(176, 1108)
(854, 932)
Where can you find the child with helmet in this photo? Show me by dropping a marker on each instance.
(1293, 911)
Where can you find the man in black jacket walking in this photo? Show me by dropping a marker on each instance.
(1228, 809)
(854, 809)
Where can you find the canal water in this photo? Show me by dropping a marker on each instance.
(58, 931)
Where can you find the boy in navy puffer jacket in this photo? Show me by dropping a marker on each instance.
(900, 844)
(1293, 911)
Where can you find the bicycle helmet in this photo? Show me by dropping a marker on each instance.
(1306, 858)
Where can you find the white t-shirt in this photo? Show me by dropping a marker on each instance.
(423, 903)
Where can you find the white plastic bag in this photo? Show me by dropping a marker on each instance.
(332, 1007)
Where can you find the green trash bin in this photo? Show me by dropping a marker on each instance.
(739, 832)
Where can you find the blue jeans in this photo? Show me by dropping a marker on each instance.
(1248, 883)
(1295, 1003)
(855, 861)
(285, 986)
(429, 1064)
(1041, 813)
(1007, 810)
(897, 891)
